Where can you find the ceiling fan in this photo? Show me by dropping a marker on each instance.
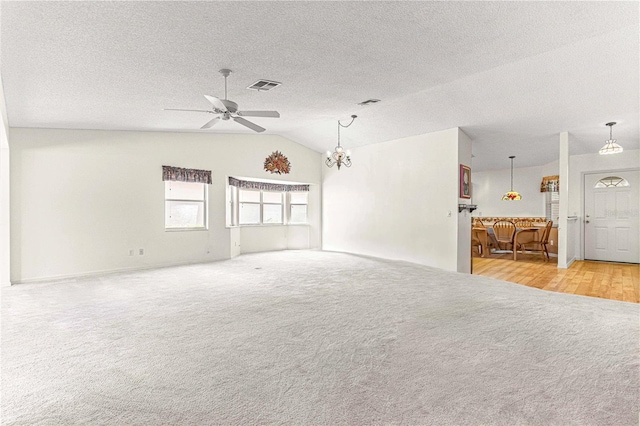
(226, 109)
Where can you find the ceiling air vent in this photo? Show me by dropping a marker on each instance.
(264, 85)
(369, 102)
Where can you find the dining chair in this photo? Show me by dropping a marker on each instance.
(524, 224)
(479, 240)
(477, 223)
(533, 240)
(504, 230)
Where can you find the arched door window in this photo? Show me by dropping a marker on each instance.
(611, 182)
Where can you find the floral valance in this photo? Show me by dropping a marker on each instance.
(550, 184)
(186, 175)
(266, 186)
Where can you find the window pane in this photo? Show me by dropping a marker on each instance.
(183, 191)
(249, 213)
(272, 213)
(249, 196)
(299, 197)
(272, 197)
(298, 213)
(611, 182)
(184, 214)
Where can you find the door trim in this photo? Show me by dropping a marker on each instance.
(583, 204)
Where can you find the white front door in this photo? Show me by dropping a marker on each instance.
(612, 219)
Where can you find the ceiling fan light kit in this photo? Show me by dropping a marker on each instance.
(226, 109)
(610, 146)
(340, 157)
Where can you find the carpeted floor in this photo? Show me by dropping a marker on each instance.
(310, 337)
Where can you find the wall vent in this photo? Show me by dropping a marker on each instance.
(264, 85)
(369, 102)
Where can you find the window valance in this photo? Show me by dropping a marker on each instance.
(266, 186)
(186, 175)
(550, 184)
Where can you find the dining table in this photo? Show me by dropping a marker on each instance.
(487, 238)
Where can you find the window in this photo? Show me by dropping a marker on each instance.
(185, 205)
(249, 207)
(252, 202)
(552, 202)
(260, 207)
(611, 182)
(272, 207)
(298, 207)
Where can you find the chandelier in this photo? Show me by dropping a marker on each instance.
(512, 195)
(340, 156)
(610, 146)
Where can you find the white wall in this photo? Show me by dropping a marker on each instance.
(5, 230)
(579, 165)
(398, 201)
(82, 199)
(564, 230)
(488, 187)
(268, 238)
(464, 217)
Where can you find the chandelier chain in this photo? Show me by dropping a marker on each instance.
(353, 117)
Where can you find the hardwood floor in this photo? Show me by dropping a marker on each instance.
(616, 281)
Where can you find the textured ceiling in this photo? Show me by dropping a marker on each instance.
(512, 75)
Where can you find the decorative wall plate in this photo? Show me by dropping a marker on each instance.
(277, 163)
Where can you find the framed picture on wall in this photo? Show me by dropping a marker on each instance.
(465, 181)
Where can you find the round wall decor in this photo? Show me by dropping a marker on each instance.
(277, 163)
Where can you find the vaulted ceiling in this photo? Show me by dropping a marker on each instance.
(512, 75)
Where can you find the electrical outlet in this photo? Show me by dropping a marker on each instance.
(449, 214)
(130, 252)
(141, 252)
(551, 242)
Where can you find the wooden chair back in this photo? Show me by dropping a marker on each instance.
(477, 223)
(524, 224)
(504, 230)
(544, 238)
(479, 240)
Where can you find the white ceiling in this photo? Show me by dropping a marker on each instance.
(512, 75)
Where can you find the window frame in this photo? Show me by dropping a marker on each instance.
(205, 208)
(290, 204)
(281, 204)
(240, 203)
(552, 198)
(234, 205)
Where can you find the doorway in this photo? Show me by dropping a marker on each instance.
(612, 219)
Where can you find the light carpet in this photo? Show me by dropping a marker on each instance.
(311, 337)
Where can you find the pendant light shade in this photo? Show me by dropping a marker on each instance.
(610, 146)
(512, 195)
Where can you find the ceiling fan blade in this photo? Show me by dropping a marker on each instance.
(271, 114)
(217, 103)
(249, 124)
(210, 123)
(193, 110)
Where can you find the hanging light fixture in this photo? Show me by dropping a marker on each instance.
(610, 146)
(340, 156)
(512, 195)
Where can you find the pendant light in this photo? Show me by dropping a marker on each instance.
(512, 195)
(610, 146)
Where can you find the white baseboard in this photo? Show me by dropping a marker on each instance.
(65, 277)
